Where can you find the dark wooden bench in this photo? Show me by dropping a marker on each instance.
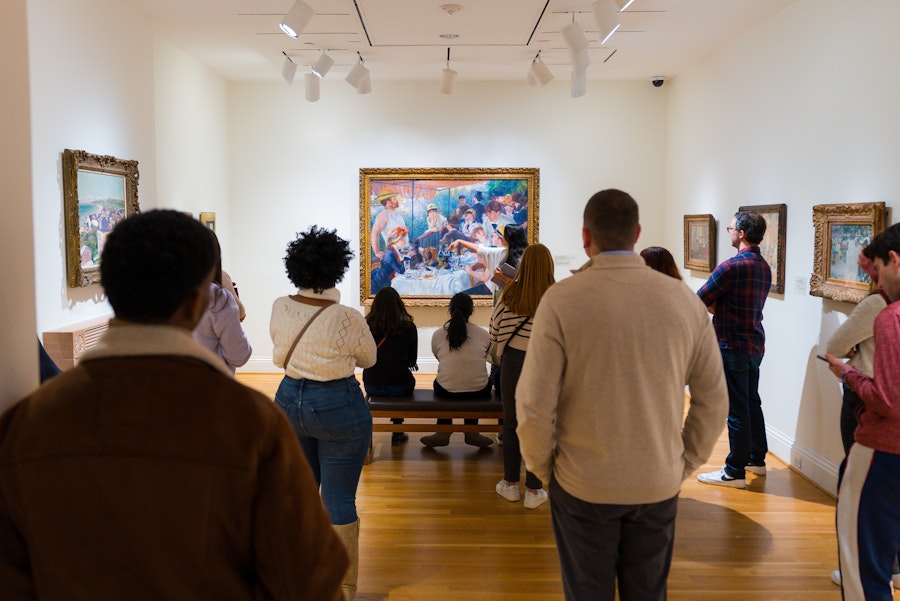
(423, 404)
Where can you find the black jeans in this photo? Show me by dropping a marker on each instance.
(601, 544)
(512, 362)
(440, 391)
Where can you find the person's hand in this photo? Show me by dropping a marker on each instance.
(711, 308)
(379, 254)
(415, 367)
(453, 245)
(836, 366)
(498, 273)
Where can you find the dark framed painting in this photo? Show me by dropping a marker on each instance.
(773, 243)
(98, 192)
(700, 242)
(430, 233)
(841, 232)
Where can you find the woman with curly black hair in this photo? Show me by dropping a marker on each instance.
(319, 343)
(398, 345)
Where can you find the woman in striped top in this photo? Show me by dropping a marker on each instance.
(511, 327)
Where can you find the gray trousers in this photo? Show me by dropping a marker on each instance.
(600, 544)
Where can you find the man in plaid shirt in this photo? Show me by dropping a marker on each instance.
(735, 294)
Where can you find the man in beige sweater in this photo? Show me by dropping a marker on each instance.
(601, 407)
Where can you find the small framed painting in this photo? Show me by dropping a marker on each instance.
(841, 232)
(98, 192)
(773, 243)
(700, 242)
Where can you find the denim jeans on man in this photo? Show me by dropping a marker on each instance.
(746, 425)
(334, 426)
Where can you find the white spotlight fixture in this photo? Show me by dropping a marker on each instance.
(312, 87)
(574, 37)
(581, 60)
(322, 65)
(539, 72)
(530, 80)
(296, 20)
(288, 69)
(579, 83)
(358, 77)
(607, 17)
(623, 4)
(448, 77)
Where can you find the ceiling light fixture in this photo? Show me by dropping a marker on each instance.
(448, 77)
(539, 72)
(359, 77)
(623, 4)
(288, 69)
(451, 9)
(579, 83)
(577, 43)
(607, 17)
(321, 66)
(296, 20)
(311, 87)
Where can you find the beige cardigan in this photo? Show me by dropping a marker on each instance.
(600, 402)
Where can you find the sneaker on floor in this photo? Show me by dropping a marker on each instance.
(477, 440)
(499, 439)
(757, 470)
(720, 478)
(535, 499)
(438, 439)
(398, 438)
(508, 490)
(895, 580)
(836, 577)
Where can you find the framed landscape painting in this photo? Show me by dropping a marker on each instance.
(98, 192)
(841, 232)
(700, 242)
(420, 229)
(773, 243)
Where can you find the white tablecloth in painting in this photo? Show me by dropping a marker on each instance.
(431, 283)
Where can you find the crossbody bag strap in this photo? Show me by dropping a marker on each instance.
(302, 332)
(516, 331)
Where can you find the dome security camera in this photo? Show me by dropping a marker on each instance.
(657, 81)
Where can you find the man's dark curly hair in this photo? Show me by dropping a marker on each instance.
(752, 224)
(152, 262)
(317, 259)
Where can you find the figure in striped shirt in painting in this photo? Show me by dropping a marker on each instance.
(511, 327)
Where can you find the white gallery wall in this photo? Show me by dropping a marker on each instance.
(91, 70)
(295, 163)
(18, 353)
(802, 110)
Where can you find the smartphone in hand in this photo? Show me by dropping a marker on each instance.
(821, 358)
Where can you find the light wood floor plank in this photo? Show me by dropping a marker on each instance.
(433, 528)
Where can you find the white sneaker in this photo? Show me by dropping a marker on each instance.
(535, 499)
(758, 470)
(836, 577)
(895, 580)
(508, 490)
(720, 478)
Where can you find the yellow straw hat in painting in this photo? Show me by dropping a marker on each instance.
(431, 207)
(386, 196)
(396, 235)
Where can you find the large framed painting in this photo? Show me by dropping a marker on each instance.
(841, 232)
(98, 192)
(411, 220)
(773, 243)
(700, 242)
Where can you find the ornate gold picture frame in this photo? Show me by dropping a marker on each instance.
(841, 232)
(700, 242)
(98, 192)
(410, 217)
(773, 244)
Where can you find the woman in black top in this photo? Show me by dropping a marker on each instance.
(398, 343)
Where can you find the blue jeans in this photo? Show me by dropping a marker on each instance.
(334, 427)
(746, 425)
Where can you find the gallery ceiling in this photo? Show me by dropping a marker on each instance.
(494, 39)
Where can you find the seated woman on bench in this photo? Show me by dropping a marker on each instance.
(461, 350)
(398, 345)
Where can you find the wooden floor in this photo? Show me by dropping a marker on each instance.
(433, 528)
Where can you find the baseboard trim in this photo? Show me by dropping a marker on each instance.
(804, 461)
